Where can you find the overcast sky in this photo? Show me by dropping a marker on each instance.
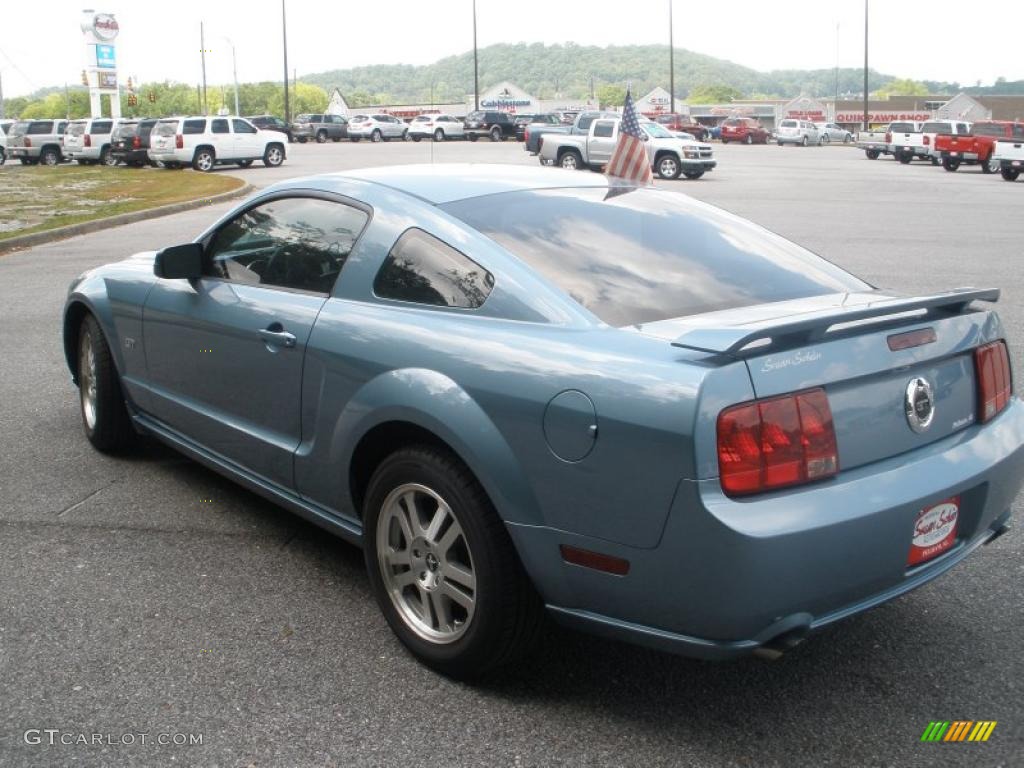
(42, 45)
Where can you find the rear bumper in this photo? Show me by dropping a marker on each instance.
(956, 155)
(730, 576)
(22, 152)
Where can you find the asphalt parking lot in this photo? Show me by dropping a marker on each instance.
(148, 595)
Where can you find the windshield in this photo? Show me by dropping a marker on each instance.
(655, 131)
(637, 255)
(166, 128)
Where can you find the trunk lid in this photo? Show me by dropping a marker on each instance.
(842, 342)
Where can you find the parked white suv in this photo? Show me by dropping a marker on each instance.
(376, 127)
(3, 147)
(799, 132)
(204, 142)
(88, 141)
(437, 127)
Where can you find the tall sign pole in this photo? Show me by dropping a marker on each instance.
(284, 38)
(865, 65)
(476, 66)
(100, 31)
(671, 63)
(202, 43)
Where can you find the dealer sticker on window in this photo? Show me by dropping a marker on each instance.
(934, 530)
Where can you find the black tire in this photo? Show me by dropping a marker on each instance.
(507, 614)
(273, 155)
(988, 166)
(496, 134)
(107, 158)
(3, 156)
(354, 139)
(204, 160)
(905, 157)
(950, 163)
(107, 424)
(750, 139)
(935, 160)
(871, 153)
(693, 175)
(439, 134)
(82, 161)
(336, 139)
(49, 156)
(244, 163)
(321, 137)
(571, 160)
(376, 136)
(803, 142)
(667, 167)
(416, 138)
(472, 137)
(1010, 174)
(725, 141)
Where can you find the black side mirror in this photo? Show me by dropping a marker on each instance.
(179, 262)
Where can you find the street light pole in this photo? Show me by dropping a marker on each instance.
(671, 63)
(865, 65)
(476, 66)
(284, 36)
(234, 71)
(202, 43)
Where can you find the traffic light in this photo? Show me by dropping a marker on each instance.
(129, 85)
(152, 97)
(133, 100)
(85, 78)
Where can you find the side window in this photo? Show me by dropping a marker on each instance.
(242, 126)
(219, 126)
(298, 242)
(41, 128)
(101, 127)
(194, 126)
(962, 128)
(1018, 131)
(603, 129)
(424, 270)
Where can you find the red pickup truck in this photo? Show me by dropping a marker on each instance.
(977, 146)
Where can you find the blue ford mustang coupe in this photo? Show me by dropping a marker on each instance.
(522, 390)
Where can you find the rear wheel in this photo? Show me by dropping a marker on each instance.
(1010, 174)
(667, 167)
(107, 158)
(204, 160)
(950, 163)
(439, 135)
(104, 414)
(376, 136)
(905, 157)
(496, 134)
(803, 142)
(416, 137)
(871, 153)
(354, 139)
(750, 139)
(472, 137)
(725, 141)
(990, 165)
(442, 566)
(321, 136)
(3, 156)
(49, 156)
(571, 160)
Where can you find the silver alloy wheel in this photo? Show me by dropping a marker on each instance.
(50, 158)
(87, 380)
(425, 563)
(994, 166)
(668, 168)
(204, 161)
(274, 156)
(569, 161)
(439, 135)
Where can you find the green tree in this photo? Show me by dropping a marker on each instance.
(303, 97)
(610, 95)
(902, 88)
(713, 94)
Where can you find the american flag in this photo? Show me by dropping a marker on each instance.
(629, 160)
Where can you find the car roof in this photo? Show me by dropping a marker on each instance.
(447, 182)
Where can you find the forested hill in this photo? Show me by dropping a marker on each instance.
(569, 69)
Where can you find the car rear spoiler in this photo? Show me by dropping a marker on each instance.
(812, 326)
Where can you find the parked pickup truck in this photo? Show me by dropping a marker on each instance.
(669, 156)
(873, 143)
(905, 141)
(931, 129)
(978, 146)
(580, 127)
(1009, 153)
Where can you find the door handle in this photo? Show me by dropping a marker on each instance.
(277, 336)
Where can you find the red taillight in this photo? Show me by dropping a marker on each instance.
(87, 140)
(179, 141)
(995, 386)
(136, 142)
(28, 142)
(888, 137)
(776, 442)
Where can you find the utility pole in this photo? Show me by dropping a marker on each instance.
(202, 43)
(67, 101)
(234, 71)
(671, 63)
(2, 113)
(476, 66)
(865, 65)
(835, 98)
(284, 36)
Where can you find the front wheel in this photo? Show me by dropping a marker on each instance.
(472, 137)
(273, 156)
(668, 167)
(416, 138)
(951, 163)
(1010, 174)
(442, 566)
(376, 136)
(439, 135)
(803, 142)
(496, 134)
(104, 414)
(750, 139)
(321, 137)
(905, 157)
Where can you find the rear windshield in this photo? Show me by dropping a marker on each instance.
(19, 128)
(477, 116)
(788, 124)
(989, 129)
(126, 129)
(903, 128)
(936, 128)
(76, 128)
(636, 256)
(166, 128)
